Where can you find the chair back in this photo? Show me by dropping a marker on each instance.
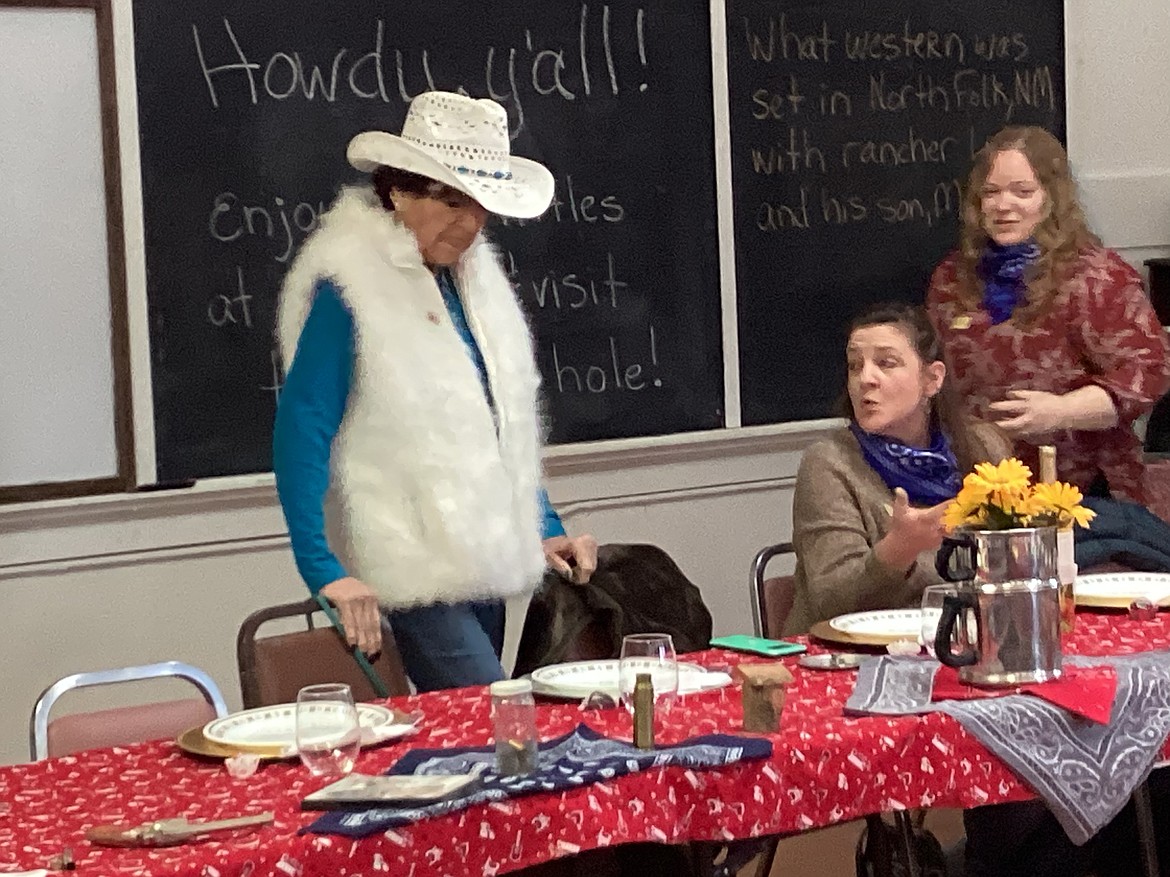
(274, 668)
(772, 597)
(121, 726)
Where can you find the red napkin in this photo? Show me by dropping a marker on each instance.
(1086, 691)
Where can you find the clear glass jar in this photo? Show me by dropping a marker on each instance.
(514, 726)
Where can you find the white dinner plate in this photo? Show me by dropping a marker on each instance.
(275, 727)
(1116, 590)
(579, 679)
(892, 623)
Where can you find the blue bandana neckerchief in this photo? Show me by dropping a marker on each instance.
(928, 475)
(1001, 268)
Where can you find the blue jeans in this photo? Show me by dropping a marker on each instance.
(451, 645)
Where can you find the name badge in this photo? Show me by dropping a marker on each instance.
(961, 322)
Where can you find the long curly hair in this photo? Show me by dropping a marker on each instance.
(1061, 235)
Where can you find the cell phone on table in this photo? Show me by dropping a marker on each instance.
(758, 645)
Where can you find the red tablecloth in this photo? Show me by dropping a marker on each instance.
(825, 768)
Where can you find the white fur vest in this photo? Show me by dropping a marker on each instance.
(432, 500)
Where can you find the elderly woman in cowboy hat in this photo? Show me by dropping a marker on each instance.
(407, 440)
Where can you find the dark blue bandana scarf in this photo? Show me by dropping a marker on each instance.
(928, 475)
(1001, 268)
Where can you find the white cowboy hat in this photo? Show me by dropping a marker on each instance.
(461, 142)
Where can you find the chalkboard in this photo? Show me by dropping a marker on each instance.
(245, 110)
(853, 123)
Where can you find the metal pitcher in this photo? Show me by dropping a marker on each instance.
(1009, 594)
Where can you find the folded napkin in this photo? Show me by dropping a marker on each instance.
(574, 759)
(1085, 691)
(1085, 771)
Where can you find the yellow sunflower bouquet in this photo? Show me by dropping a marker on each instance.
(1003, 497)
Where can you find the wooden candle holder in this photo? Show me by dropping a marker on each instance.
(765, 687)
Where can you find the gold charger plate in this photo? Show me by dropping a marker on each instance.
(193, 742)
(1097, 601)
(825, 632)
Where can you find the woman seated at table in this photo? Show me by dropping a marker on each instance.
(1048, 333)
(867, 519)
(867, 514)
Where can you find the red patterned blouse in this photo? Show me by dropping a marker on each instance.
(1101, 330)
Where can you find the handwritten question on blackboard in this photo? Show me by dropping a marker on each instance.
(817, 124)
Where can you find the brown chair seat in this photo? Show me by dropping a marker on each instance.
(124, 726)
(274, 668)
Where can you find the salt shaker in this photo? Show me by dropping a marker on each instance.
(514, 726)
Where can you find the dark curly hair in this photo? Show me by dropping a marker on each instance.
(387, 179)
(914, 324)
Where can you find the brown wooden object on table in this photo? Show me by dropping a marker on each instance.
(764, 691)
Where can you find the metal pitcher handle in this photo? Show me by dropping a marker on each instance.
(952, 615)
(956, 559)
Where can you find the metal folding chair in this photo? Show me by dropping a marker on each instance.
(122, 725)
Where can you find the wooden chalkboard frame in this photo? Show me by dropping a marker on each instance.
(116, 257)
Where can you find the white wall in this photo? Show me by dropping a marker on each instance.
(133, 579)
(1118, 84)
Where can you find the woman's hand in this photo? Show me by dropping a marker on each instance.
(574, 559)
(1031, 413)
(911, 532)
(357, 607)
(1035, 414)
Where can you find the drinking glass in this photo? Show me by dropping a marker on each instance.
(932, 606)
(651, 653)
(329, 735)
